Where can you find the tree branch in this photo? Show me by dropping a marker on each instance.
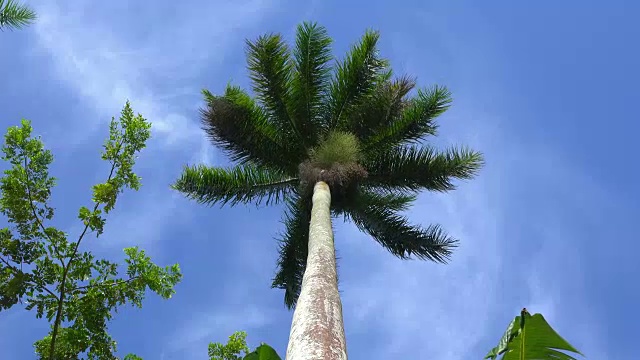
(116, 282)
(65, 272)
(35, 215)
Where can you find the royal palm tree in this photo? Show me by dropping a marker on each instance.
(328, 140)
(14, 15)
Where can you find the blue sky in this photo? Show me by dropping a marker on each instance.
(545, 89)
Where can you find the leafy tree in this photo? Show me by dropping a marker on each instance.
(236, 349)
(14, 15)
(50, 271)
(531, 337)
(328, 140)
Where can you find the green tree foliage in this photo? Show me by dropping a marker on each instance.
(236, 349)
(14, 15)
(354, 125)
(49, 271)
(530, 337)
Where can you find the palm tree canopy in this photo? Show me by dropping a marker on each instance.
(353, 125)
(14, 15)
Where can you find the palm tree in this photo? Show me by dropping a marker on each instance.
(328, 140)
(14, 15)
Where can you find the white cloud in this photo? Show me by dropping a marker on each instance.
(106, 67)
(109, 59)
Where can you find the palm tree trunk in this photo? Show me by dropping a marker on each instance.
(317, 329)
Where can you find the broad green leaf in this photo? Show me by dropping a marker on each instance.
(530, 337)
(263, 352)
(511, 331)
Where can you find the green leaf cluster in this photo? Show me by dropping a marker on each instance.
(49, 271)
(236, 349)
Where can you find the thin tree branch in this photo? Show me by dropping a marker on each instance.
(65, 272)
(116, 282)
(35, 215)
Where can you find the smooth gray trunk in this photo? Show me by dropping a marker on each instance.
(317, 329)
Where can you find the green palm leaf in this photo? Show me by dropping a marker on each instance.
(416, 121)
(355, 78)
(381, 110)
(14, 15)
(239, 126)
(394, 232)
(312, 74)
(270, 68)
(293, 250)
(391, 200)
(531, 338)
(414, 168)
(241, 184)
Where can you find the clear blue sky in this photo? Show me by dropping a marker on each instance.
(547, 90)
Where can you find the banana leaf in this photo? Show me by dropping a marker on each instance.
(530, 337)
(263, 352)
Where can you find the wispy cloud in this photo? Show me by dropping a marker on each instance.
(108, 60)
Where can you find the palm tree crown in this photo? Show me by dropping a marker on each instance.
(353, 125)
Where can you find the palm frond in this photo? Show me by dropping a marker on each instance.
(355, 78)
(396, 235)
(393, 200)
(14, 15)
(270, 70)
(235, 123)
(377, 112)
(293, 249)
(416, 168)
(310, 78)
(416, 121)
(241, 184)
